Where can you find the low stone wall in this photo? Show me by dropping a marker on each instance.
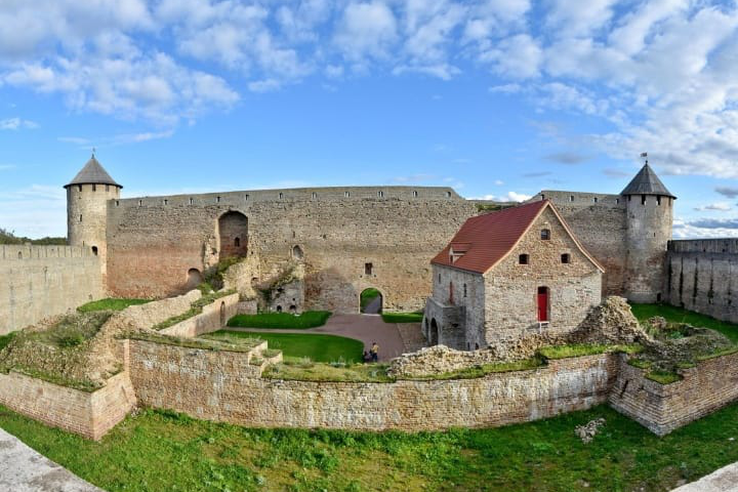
(214, 316)
(224, 386)
(662, 408)
(91, 415)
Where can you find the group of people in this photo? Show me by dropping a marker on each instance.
(373, 354)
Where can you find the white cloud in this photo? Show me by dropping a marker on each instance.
(517, 57)
(720, 206)
(506, 89)
(510, 196)
(366, 30)
(17, 124)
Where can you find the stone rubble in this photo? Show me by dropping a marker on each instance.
(587, 432)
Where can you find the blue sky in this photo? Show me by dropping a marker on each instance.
(497, 98)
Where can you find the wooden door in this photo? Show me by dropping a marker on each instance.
(542, 303)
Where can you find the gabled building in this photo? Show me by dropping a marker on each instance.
(510, 273)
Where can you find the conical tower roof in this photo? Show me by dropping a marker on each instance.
(646, 183)
(93, 173)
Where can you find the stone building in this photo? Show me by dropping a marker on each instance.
(509, 273)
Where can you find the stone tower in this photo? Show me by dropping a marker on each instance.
(87, 202)
(650, 215)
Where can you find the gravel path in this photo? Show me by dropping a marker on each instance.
(24, 470)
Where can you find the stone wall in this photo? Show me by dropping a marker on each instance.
(42, 281)
(702, 276)
(154, 241)
(600, 223)
(662, 408)
(90, 415)
(214, 316)
(221, 386)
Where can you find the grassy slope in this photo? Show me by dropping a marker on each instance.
(402, 317)
(157, 451)
(110, 304)
(308, 319)
(319, 348)
(679, 315)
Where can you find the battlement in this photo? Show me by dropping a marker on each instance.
(580, 199)
(324, 194)
(32, 252)
(720, 246)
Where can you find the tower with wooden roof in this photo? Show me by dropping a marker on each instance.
(88, 195)
(650, 216)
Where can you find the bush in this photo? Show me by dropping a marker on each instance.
(308, 319)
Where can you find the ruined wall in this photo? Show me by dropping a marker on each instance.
(214, 316)
(665, 407)
(88, 414)
(217, 386)
(153, 242)
(41, 281)
(511, 288)
(461, 322)
(600, 223)
(702, 276)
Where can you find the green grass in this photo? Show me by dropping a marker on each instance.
(165, 451)
(319, 348)
(6, 339)
(484, 369)
(307, 370)
(110, 304)
(367, 297)
(678, 315)
(579, 350)
(415, 317)
(663, 377)
(308, 319)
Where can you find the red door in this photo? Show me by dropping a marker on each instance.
(542, 304)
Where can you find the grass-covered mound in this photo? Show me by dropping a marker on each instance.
(308, 319)
(195, 309)
(316, 347)
(415, 317)
(59, 353)
(110, 304)
(161, 450)
(679, 315)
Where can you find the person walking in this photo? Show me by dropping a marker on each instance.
(374, 351)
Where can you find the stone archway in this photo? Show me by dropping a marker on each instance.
(371, 301)
(194, 278)
(433, 335)
(233, 231)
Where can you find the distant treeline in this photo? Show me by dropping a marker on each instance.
(7, 237)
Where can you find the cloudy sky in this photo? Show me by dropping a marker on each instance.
(497, 98)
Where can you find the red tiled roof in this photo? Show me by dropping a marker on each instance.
(488, 238)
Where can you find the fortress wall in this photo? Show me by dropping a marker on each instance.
(599, 222)
(662, 408)
(41, 281)
(702, 276)
(153, 242)
(213, 385)
(90, 415)
(214, 316)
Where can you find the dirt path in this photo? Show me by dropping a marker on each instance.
(365, 327)
(24, 470)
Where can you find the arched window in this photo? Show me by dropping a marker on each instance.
(297, 252)
(233, 231)
(545, 234)
(94, 250)
(415, 194)
(237, 242)
(279, 309)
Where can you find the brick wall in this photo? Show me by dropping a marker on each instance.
(702, 276)
(221, 385)
(212, 318)
(88, 414)
(41, 281)
(663, 408)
